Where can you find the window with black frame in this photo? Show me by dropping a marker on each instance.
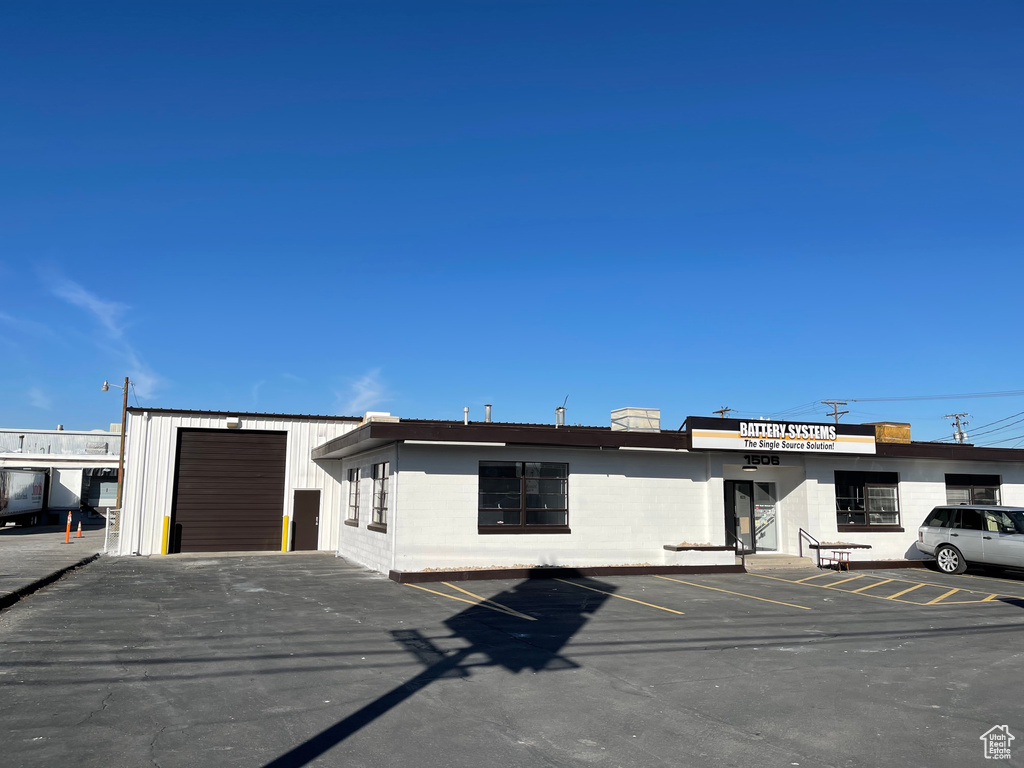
(380, 494)
(523, 497)
(972, 489)
(867, 500)
(353, 496)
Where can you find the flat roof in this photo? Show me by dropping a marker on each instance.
(378, 433)
(297, 416)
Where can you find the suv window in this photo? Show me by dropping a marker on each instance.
(999, 522)
(971, 520)
(940, 517)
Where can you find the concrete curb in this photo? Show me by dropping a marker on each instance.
(490, 574)
(6, 601)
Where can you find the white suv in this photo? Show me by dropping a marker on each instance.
(979, 535)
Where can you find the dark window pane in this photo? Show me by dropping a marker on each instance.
(499, 501)
(499, 469)
(499, 517)
(986, 495)
(971, 520)
(939, 518)
(546, 517)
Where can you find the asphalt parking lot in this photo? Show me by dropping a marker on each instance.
(306, 660)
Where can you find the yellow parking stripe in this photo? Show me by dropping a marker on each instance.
(489, 602)
(740, 594)
(869, 586)
(507, 611)
(937, 599)
(801, 581)
(844, 581)
(911, 589)
(990, 597)
(612, 594)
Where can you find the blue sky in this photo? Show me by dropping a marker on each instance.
(415, 207)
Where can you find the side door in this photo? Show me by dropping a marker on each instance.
(1003, 543)
(969, 535)
(306, 514)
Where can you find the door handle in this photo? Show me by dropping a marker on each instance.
(986, 537)
(954, 534)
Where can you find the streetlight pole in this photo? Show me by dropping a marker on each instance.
(124, 423)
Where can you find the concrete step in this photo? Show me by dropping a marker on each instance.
(778, 563)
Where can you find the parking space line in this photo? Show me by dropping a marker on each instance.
(911, 589)
(937, 599)
(869, 586)
(489, 602)
(502, 609)
(801, 581)
(621, 597)
(739, 594)
(845, 581)
(993, 596)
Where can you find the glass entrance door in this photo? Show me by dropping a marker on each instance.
(739, 513)
(765, 517)
(751, 515)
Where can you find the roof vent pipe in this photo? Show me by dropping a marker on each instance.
(560, 416)
(465, 415)
(487, 413)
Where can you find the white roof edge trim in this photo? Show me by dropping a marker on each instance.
(663, 450)
(454, 442)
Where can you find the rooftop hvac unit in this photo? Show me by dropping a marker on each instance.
(636, 420)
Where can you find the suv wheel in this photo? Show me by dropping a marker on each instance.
(949, 560)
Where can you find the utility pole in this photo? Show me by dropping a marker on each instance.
(958, 427)
(836, 413)
(722, 411)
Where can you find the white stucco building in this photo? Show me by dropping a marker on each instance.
(400, 495)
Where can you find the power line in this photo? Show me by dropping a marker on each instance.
(1006, 393)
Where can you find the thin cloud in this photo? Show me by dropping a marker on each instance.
(108, 313)
(365, 393)
(142, 376)
(38, 399)
(256, 391)
(30, 327)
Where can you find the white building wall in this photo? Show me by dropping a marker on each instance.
(357, 543)
(624, 506)
(151, 441)
(922, 486)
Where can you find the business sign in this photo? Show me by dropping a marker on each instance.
(707, 433)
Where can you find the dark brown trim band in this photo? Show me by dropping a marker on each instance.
(519, 530)
(545, 572)
(696, 548)
(871, 528)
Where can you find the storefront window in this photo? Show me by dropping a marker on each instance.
(867, 499)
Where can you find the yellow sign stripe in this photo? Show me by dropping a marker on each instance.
(739, 594)
(937, 599)
(869, 586)
(489, 602)
(506, 611)
(612, 594)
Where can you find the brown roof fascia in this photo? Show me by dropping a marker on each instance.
(949, 451)
(567, 437)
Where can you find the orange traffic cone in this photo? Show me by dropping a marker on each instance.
(79, 534)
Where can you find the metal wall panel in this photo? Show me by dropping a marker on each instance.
(150, 456)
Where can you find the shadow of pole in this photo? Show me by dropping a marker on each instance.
(499, 636)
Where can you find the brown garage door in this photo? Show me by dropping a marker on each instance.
(229, 491)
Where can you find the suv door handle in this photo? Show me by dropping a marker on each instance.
(986, 537)
(954, 534)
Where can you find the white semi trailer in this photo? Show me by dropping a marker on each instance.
(22, 496)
